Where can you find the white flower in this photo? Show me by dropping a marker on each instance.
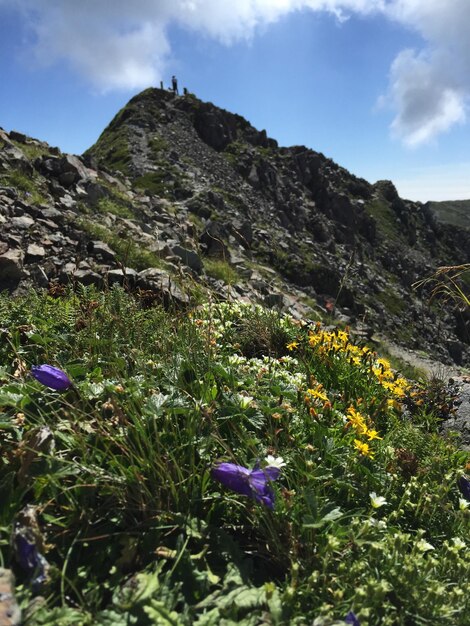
(378, 523)
(463, 504)
(424, 545)
(277, 461)
(377, 501)
(458, 543)
(245, 401)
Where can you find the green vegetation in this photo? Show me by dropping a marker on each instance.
(355, 507)
(112, 148)
(32, 150)
(392, 301)
(157, 144)
(167, 182)
(24, 184)
(449, 283)
(155, 183)
(385, 218)
(221, 270)
(116, 207)
(129, 253)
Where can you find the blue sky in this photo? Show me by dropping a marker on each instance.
(380, 86)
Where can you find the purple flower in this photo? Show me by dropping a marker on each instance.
(252, 483)
(31, 561)
(352, 619)
(51, 376)
(464, 486)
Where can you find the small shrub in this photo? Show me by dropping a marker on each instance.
(220, 270)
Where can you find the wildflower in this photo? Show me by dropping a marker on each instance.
(464, 485)
(372, 434)
(316, 394)
(424, 545)
(356, 420)
(252, 483)
(245, 401)
(292, 345)
(363, 448)
(277, 461)
(51, 376)
(458, 543)
(463, 504)
(342, 336)
(352, 619)
(377, 501)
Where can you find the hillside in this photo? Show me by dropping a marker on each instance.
(454, 212)
(179, 198)
(197, 425)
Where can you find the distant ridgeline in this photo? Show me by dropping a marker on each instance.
(454, 212)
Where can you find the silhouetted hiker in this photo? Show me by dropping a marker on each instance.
(174, 85)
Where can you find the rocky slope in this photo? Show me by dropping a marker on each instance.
(178, 196)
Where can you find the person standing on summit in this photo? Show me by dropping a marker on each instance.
(174, 85)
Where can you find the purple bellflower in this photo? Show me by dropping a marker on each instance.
(31, 561)
(253, 483)
(351, 619)
(51, 376)
(464, 486)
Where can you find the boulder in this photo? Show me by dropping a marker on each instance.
(189, 257)
(213, 239)
(127, 277)
(34, 253)
(103, 252)
(11, 269)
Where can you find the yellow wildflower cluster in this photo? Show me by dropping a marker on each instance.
(383, 372)
(363, 448)
(327, 342)
(359, 423)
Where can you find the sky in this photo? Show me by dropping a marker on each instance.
(380, 86)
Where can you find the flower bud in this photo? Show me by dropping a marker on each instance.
(51, 376)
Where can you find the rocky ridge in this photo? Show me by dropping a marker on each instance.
(178, 196)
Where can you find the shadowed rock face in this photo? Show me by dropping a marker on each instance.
(176, 188)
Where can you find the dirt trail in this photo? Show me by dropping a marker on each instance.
(460, 422)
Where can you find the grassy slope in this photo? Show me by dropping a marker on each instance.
(137, 529)
(455, 212)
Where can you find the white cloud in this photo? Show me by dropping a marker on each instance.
(429, 88)
(429, 101)
(124, 44)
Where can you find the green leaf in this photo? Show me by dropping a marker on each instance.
(9, 398)
(161, 616)
(329, 517)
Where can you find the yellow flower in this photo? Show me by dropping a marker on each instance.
(292, 345)
(372, 434)
(316, 394)
(363, 448)
(356, 420)
(384, 363)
